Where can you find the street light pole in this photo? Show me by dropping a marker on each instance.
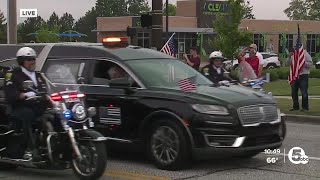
(157, 24)
(12, 22)
(167, 18)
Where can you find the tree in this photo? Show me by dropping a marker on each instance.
(230, 37)
(172, 9)
(53, 21)
(303, 10)
(137, 7)
(87, 23)
(30, 25)
(111, 8)
(66, 22)
(247, 10)
(44, 35)
(3, 28)
(297, 10)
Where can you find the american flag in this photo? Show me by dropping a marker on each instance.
(169, 48)
(188, 84)
(298, 62)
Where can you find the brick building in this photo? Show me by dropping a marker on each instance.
(194, 17)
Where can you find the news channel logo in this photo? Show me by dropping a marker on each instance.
(28, 13)
(296, 155)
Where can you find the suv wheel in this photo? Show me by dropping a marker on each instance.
(167, 146)
(271, 66)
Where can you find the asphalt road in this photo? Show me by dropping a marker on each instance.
(133, 166)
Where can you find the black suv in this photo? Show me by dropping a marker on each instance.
(139, 100)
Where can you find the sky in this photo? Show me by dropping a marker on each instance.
(262, 9)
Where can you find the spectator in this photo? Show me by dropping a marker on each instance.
(253, 60)
(259, 55)
(301, 83)
(194, 61)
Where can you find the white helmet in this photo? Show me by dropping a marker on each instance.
(25, 53)
(216, 54)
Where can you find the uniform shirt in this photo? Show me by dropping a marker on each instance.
(14, 79)
(214, 74)
(32, 75)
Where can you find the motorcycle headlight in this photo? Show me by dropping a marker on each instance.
(79, 112)
(210, 109)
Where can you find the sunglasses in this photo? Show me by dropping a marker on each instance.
(31, 59)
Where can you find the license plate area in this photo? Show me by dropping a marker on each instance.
(71, 100)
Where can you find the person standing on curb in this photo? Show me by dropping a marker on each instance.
(302, 82)
(194, 61)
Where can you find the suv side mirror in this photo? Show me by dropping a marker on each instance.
(122, 83)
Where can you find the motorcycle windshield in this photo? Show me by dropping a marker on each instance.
(246, 72)
(57, 88)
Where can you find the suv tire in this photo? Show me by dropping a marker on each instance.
(167, 146)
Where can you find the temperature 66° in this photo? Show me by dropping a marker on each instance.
(272, 160)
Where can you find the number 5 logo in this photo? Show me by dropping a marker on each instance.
(297, 156)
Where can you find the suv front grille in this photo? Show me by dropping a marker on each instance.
(253, 115)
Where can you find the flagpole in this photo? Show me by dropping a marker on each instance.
(168, 41)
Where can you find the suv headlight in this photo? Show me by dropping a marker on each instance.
(210, 109)
(79, 112)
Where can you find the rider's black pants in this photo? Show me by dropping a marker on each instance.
(23, 118)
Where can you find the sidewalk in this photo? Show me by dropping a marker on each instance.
(301, 118)
(289, 97)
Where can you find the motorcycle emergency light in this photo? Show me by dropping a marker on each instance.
(58, 97)
(115, 42)
(67, 114)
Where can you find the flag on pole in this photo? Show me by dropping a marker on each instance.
(298, 61)
(169, 48)
(188, 84)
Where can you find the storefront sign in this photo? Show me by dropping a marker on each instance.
(207, 11)
(212, 7)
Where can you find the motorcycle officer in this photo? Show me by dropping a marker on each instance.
(214, 71)
(24, 112)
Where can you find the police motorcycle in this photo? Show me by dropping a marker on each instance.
(62, 136)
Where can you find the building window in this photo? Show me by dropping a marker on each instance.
(259, 41)
(313, 44)
(144, 39)
(183, 42)
(285, 42)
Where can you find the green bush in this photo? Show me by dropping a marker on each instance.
(278, 73)
(283, 72)
(315, 73)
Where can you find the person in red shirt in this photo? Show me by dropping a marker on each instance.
(194, 61)
(253, 60)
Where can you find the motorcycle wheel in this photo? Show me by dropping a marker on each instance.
(94, 161)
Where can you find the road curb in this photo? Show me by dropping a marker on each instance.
(301, 119)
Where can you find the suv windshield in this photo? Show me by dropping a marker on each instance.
(165, 73)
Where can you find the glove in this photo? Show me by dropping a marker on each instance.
(30, 94)
(224, 83)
